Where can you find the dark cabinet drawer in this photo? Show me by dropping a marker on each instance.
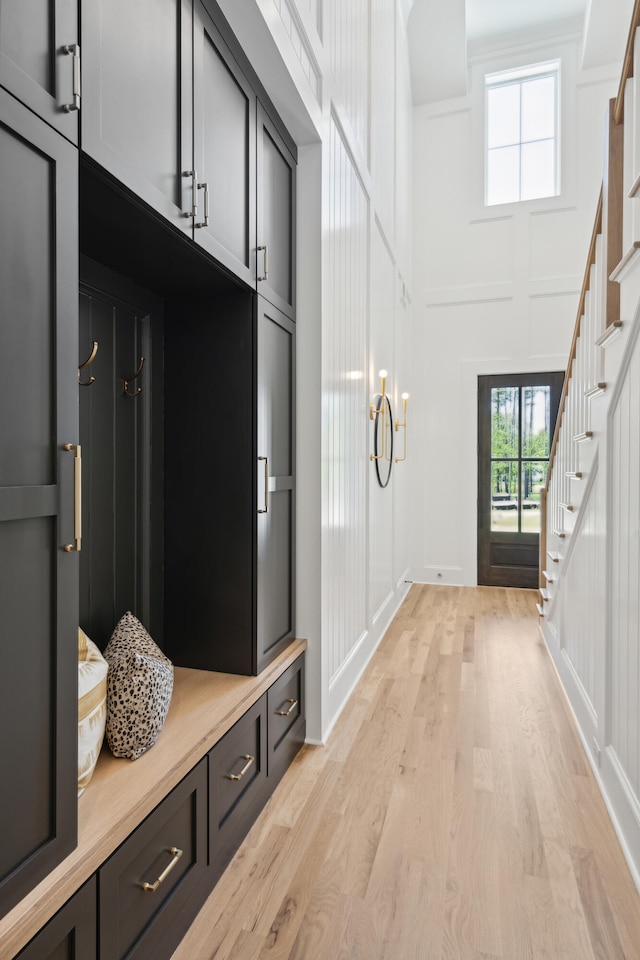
(71, 933)
(286, 719)
(152, 886)
(237, 783)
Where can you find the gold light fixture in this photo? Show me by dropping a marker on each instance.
(377, 408)
(405, 397)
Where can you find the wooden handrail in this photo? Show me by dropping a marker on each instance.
(627, 64)
(591, 259)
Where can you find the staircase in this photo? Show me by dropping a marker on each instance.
(589, 589)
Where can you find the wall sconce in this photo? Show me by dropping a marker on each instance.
(380, 413)
(405, 397)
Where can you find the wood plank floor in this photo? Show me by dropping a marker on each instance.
(451, 816)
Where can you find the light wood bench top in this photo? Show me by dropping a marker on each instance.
(122, 793)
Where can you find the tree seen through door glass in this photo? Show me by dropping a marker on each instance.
(520, 438)
(534, 477)
(504, 495)
(505, 421)
(536, 415)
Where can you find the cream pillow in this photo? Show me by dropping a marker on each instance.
(92, 706)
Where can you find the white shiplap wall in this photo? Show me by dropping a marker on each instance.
(345, 460)
(624, 702)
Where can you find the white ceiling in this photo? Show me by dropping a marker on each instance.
(441, 35)
(488, 18)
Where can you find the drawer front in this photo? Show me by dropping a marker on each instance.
(237, 781)
(71, 933)
(153, 885)
(286, 718)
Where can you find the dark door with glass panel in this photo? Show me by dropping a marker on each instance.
(516, 420)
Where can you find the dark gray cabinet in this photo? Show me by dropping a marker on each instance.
(275, 480)
(153, 885)
(40, 59)
(171, 114)
(38, 576)
(276, 212)
(71, 934)
(137, 99)
(224, 152)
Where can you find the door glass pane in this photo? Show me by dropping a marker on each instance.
(504, 496)
(505, 416)
(536, 421)
(534, 477)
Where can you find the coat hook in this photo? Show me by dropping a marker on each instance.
(90, 359)
(133, 377)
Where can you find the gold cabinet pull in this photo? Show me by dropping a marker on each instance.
(77, 498)
(265, 509)
(176, 853)
(239, 776)
(287, 713)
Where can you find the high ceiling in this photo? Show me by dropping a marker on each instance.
(488, 18)
(443, 34)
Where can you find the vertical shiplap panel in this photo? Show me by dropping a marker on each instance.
(632, 566)
(350, 63)
(583, 622)
(383, 100)
(345, 433)
(381, 336)
(625, 516)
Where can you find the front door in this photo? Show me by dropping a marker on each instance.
(516, 420)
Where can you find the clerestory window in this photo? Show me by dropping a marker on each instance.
(522, 134)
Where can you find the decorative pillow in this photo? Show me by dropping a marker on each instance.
(92, 706)
(139, 688)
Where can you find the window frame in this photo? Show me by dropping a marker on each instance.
(518, 76)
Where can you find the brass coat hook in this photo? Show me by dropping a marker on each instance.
(133, 377)
(89, 360)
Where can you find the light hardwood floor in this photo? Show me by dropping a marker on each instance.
(451, 816)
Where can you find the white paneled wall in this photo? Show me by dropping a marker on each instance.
(383, 109)
(345, 454)
(380, 501)
(350, 55)
(583, 614)
(625, 575)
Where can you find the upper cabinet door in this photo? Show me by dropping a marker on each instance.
(275, 253)
(275, 482)
(137, 98)
(39, 59)
(225, 152)
(38, 576)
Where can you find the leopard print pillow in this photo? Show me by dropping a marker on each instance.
(139, 688)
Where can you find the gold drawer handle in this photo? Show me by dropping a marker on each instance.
(176, 853)
(239, 776)
(287, 713)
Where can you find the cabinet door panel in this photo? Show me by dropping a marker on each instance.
(33, 63)
(136, 116)
(276, 218)
(38, 579)
(276, 351)
(139, 923)
(224, 139)
(71, 934)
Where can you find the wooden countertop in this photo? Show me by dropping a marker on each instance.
(122, 793)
